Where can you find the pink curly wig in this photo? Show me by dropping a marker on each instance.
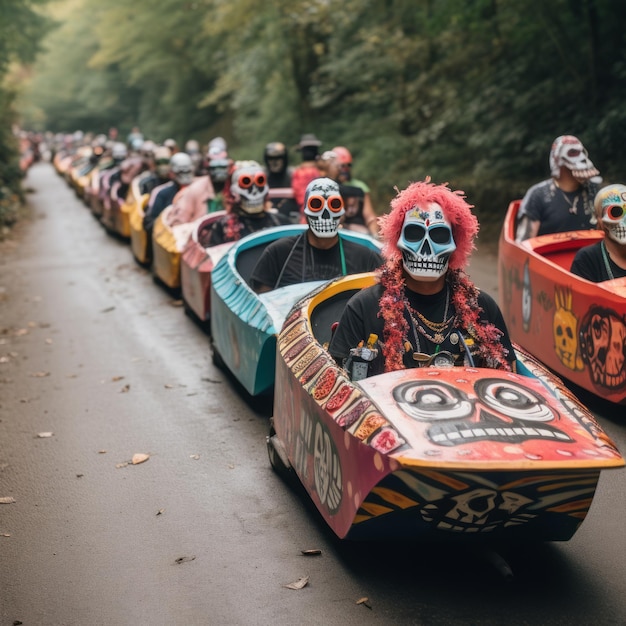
(420, 194)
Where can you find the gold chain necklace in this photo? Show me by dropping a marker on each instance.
(438, 328)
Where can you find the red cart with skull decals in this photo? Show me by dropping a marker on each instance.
(430, 453)
(576, 327)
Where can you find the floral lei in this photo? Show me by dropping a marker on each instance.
(232, 227)
(467, 316)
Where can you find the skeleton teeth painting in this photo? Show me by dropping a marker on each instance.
(574, 326)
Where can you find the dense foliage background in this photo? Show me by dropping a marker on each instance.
(21, 28)
(467, 91)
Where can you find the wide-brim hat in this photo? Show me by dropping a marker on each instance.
(308, 139)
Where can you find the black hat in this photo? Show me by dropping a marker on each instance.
(308, 139)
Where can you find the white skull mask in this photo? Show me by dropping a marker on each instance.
(612, 201)
(248, 184)
(181, 167)
(323, 207)
(569, 152)
(426, 242)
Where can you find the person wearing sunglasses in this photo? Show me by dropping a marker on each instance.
(320, 253)
(424, 310)
(245, 196)
(563, 202)
(606, 259)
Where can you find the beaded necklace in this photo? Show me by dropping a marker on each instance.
(605, 258)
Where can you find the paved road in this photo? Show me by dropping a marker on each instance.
(203, 532)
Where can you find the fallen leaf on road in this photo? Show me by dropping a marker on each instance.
(44, 435)
(5, 535)
(40, 374)
(195, 457)
(160, 511)
(116, 378)
(298, 584)
(7, 500)
(120, 465)
(79, 475)
(49, 341)
(168, 386)
(125, 389)
(108, 310)
(4, 359)
(102, 451)
(139, 457)
(313, 552)
(184, 559)
(32, 324)
(176, 302)
(21, 331)
(364, 602)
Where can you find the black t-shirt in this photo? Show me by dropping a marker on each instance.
(292, 260)
(233, 226)
(589, 263)
(559, 211)
(361, 318)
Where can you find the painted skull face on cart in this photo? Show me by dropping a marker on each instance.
(249, 187)
(494, 409)
(426, 242)
(323, 207)
(611, 209)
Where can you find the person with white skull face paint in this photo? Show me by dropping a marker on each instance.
(563, 202)
(606, 259)
(245, 196)
(181, 173)
(320, 253)
(424, 310)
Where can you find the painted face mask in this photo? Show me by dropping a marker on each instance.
(568, 151)
(611, 202)
(426, 242)
(248, 184)
(182, 168)
(323, 207)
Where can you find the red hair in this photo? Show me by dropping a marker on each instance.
(457, 211)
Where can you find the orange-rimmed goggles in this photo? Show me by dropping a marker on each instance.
(247, 180)
(615, 212)
(316, 203)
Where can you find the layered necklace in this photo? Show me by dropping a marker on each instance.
(439, 331)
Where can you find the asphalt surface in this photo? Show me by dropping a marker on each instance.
(98, 364)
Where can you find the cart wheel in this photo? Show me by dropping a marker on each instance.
(277, 455)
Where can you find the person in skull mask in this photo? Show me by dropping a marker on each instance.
(245, 195)
(204, 195)
(424, 310)
(563, 202)
(279, 176)
(181, 173)
(360, 214)
(320, 253)
(606, 259)
(159, 173)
